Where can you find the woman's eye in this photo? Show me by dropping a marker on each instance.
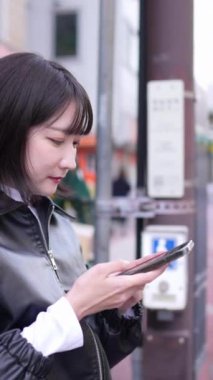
(56, 142)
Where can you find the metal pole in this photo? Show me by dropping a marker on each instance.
(169, 345)
(104, 129)
(141, 155)
(142, 122)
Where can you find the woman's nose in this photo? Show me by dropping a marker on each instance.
(69, 160)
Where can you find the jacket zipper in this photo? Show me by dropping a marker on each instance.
(97, 353)
(52, 259)
(49, 251)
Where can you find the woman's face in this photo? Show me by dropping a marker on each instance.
(50, 153)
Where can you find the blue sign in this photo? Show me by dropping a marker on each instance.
(161, 244)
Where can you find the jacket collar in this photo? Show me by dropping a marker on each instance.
(8, 204)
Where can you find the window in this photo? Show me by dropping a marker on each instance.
(66, 34)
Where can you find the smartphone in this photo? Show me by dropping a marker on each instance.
(160, 259)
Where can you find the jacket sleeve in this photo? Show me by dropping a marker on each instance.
(19, 360)
(119, 335)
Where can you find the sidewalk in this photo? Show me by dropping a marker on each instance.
(123, 246)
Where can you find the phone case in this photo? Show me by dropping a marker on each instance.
(161, 259)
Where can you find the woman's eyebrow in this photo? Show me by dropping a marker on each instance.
(59, 129)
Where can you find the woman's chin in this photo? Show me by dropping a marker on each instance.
(47, 191)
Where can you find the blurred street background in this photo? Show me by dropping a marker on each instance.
(144, 177)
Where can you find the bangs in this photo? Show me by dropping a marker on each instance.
(69, 90)
(83, 118)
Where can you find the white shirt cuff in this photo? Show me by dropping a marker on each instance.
(55, 330)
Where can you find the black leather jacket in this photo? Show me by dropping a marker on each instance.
(29, 284)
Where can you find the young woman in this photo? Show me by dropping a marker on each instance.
(58, 321)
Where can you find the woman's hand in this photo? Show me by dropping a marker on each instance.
(132, 301)
(138, 293)
(100, 288)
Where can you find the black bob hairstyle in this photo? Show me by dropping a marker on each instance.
(33, 90)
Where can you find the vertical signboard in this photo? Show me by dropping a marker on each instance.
(165, 115)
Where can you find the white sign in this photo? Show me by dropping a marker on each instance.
(169, 291)
(165, 115)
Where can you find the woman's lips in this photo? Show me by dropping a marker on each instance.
(55, 179)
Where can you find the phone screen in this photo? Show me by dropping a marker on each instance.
(159, 259)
